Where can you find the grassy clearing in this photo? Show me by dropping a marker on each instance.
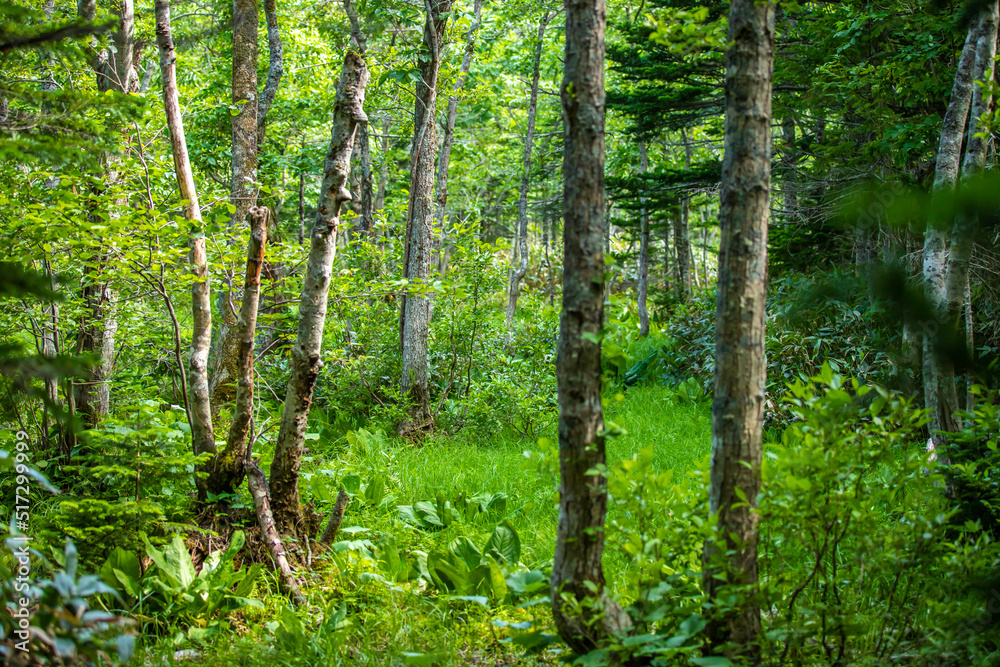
(386, 620)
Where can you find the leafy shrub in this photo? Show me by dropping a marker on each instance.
(62, 628)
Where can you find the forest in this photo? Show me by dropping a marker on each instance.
(476, 333)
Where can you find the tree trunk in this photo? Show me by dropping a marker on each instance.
(682, 235)
(740, 368)
(441, 189)
(275, 68)
(243, 192)
(416, 311)
(789, 186)
(577, 573)
(306, 361)
(227, 469)
(522, 203)
(940, 397)
(115, 72)
(643, 248)
(202, 434)
(964, 229)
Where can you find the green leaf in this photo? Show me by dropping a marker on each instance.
(505, 543)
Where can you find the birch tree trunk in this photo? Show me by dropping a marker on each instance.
(366, 212)
(202, 434)
(964, 229)
(275, 68)
(682, 235)
(940, 397)
(643, 248)
(348, 114)
(583, 613)
(243, 192)
(522, 203)
(740, 369)
(416, 312)
(441, 189)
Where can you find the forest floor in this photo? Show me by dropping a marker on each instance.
(391, 623)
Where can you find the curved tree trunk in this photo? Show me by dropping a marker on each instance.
(643, 249)
(202, 434)
(740, 368)
(583, 613)
(940, 397)
(227, 469)
(682, 235)
(416, 308)
(514, 289)
(348, 114)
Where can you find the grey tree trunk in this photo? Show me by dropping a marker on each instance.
(115, 72)
(583, 613)
(964, 229)
(789, 184)
(514, 289)
(365, 203)
(202, 434)
(348, 114)
(441, 188)
(243, 192)
(940, 397)
(643, 248)
(682, 235)
(740, 368)
(275, 67)
(416, 310)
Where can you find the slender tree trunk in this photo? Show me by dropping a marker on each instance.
(789, 186)
(243, 192)
(740, 368)
(227, 469)
(203, 436)
(682, 235)
(522, 203)
(366, 212)
(383, 175)
(643, 248)
(940, 397)
(970, 345)
(583, 613)
(416, 311)
(348, 113)
(441, 189)
(275, 68)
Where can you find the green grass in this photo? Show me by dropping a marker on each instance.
(387, 622)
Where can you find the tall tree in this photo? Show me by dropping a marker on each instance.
(348, 115)
(740, 368)
(115, 72)
(202, 433)
(514, 289)
(643, 248)
(940, 396)
(441, 188)
(682, 233)
(366, 200)
(583, 613)
(415, 314)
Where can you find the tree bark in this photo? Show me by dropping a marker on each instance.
(577, 573)
(522, 203)
(740, 369)
(966, 223)
(682, 235)
(940, 397)
(643, 248)
(115, 72)
(441, 189)
(227, 469)
(275, 67)
(202, 434)
(416, 312)
(243, 191)
(306, 361)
